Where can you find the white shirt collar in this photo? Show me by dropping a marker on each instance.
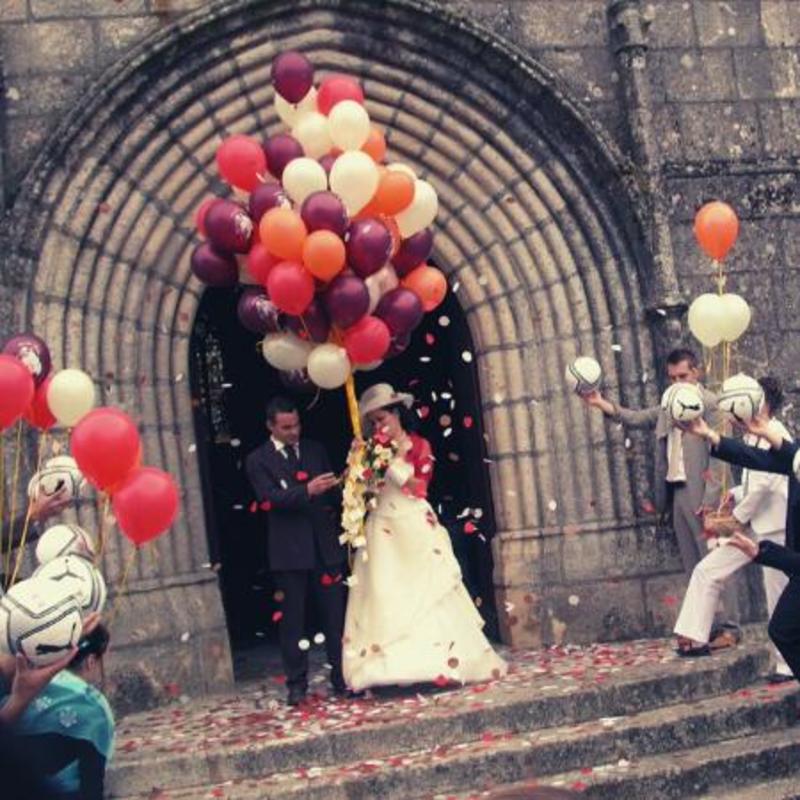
(281, 447)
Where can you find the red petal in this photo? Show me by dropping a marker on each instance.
(277, 616)
(326, 580)
(469, 527)
(302, 476)
(265, 506)
(468, 422)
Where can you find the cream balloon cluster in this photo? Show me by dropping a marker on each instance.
(715, 318)
(334, 237)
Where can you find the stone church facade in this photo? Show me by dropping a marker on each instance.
(571, 142)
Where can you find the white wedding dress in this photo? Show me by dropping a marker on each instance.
(409, 617)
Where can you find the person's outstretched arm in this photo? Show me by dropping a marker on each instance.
(629, 417)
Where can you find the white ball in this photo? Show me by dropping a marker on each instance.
(78, 577)
(39, 620)
(58, 475)
(583, 375)
(683, 402)
(741, 398)
(64, 540)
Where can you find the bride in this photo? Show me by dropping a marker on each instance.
(409, 617)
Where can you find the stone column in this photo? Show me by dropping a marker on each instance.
(665, 305)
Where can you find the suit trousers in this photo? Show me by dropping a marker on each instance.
(296, 585)
(784, 627)
(709, 578)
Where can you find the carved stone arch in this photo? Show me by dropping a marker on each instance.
(538, 230)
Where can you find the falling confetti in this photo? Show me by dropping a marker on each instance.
(552, 505)
(617, 348)
(466, 357)
(468, 421)
(444, 321)
(304, 644)
(574, 600)
(319, 638)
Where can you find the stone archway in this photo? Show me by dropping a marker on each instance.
(537, 231)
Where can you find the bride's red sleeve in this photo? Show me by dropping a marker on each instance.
(421, 456)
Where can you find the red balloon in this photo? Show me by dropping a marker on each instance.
(290, 287)
(200, 214)
(16, 390)
(336, 88)
(260, 262)
(241, 162)
(146, 504)
(368, 340)
(39, 414)
(106, 445)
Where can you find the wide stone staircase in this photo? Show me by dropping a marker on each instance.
(613, 721)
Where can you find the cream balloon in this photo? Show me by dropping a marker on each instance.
(397, 166)
(380, 282)
(311, 130)
(302, 177)
(421, 212)
(736, 316)
(354, 177)
(706, 319)
(348, 125)
(328, 366)
(290, 114)
(71, 395)
(285, 351)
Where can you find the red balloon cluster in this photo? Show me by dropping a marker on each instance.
(333, 239)
(107, 448)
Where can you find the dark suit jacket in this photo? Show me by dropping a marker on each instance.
(303, 531)
(779, 461)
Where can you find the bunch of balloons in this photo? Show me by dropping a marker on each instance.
(104, 441)
(721, 317)
(333, 240)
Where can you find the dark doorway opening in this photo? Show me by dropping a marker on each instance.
(230, 385)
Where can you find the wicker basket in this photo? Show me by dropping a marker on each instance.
(721, 523)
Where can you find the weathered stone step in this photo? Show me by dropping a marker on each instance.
(722, 768)
(786, 789)
(251, 739)
(477, 763)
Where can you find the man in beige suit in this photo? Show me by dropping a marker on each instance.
(683, 483)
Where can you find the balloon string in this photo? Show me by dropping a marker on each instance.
(14, 490)
(122, 589)
(352, 405)
(23, 539)
(101, 533)
(3, 493)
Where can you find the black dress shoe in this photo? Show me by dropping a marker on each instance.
(297, 694)
(694, 652)
(779, 677)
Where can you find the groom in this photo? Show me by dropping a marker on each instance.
(292, 478)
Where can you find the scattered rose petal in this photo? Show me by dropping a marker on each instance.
(466, 357)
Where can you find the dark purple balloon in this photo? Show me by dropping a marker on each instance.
(313, 324)
(413, 252)
(292, 76)
(401, 310)
(266, 196)
(324, 211)
(214, 268)
(369, 245)
(280, 150)
(297, 380)
(32, 352)
(346, 300)
(257, 312)
(327, 162)
(397, 345)
(229, 227)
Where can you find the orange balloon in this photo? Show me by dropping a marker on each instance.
(324, 255)
(394, 230)
(375, 146)
(716, 228)
(283, 233)
(427, 283)
(395, 192)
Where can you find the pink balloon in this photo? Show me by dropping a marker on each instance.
(367, 341)
(290, 287)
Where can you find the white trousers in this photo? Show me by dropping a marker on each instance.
(707, 582)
